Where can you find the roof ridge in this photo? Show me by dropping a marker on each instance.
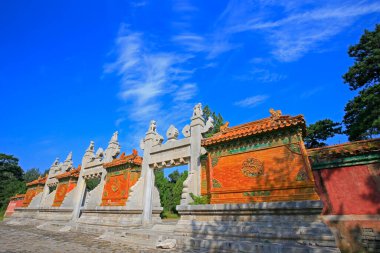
(349, 143)
(254, 127)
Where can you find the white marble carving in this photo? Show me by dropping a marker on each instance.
(209, 125)
(172, 133)
(92, 167)
(186, 131)
(174, 152)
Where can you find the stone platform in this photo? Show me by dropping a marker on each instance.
(261, 227)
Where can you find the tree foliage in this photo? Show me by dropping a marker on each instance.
(199, 200)
(362, 117)
(31, 174)
(92, 183)
(170, 189)
(11, 179)
(320, 131)
(9, 168)
(218, 120)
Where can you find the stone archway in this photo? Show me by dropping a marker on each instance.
(173, 152)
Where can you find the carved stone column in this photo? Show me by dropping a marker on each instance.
(151, 138)
(193, 182)
(81, 185)
(196, 126)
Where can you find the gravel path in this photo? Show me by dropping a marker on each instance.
(27, 239)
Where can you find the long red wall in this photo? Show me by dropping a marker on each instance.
(14, 203)
(350, 190)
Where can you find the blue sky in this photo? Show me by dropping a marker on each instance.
(76, 71)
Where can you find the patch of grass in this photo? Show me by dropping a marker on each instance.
(2, 212)
(169, 215)
(199, 200)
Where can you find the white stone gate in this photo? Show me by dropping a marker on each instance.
(173, 152)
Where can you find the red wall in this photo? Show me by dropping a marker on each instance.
(12, 205)
(350, 190)
(63, 189)
(278, 180)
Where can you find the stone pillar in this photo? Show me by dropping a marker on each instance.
(147, 174)
(196, 127)
(193, 182)
(78, 197)
(81, 185)
(52, 171)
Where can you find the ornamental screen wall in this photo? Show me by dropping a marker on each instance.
(173, 152)
(45, 198)
(92, 167)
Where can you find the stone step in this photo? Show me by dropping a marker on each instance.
(252, 246)
(272, 223)
(261, 232)
(164, 227)
(327, 241)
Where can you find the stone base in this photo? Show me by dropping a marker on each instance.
(111, 218)
(34, 216)
(260, 227)
(356, 233)
(55, 214)
(23, 216)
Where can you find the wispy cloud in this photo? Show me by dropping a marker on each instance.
(185, 92)
(311, 92)
(292, 28)
(212, 45)
(263, 75)
(192, 42)
(184, 6)
(138, 4)
(153, 82)
(252, 101)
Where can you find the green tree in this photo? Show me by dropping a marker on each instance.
(177, 189)
(218, 120)
(9, 167)
(31, 174)
(320, 131)
(46, 172)
(11, 179)
(170, 189)
(362, 117)
(92, 183)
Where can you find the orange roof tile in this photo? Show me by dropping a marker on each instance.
(17, 196)
(40, 180)
(133, 158)
(346, 149)
(272, 123)
(70, 173)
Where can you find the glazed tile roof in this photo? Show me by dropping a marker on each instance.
(274, 122)
(40, 180)
(346, 149)
(17, 196)
(133, 158)
(70, 173)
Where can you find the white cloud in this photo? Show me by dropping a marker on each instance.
(184, 6)
(294, 28)
(192, 42)
(185, 92)
(252, 101)
(311, 92)
(138, 4)
(263, 75)
(154, 83)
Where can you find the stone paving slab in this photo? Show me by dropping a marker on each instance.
(29, 239)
